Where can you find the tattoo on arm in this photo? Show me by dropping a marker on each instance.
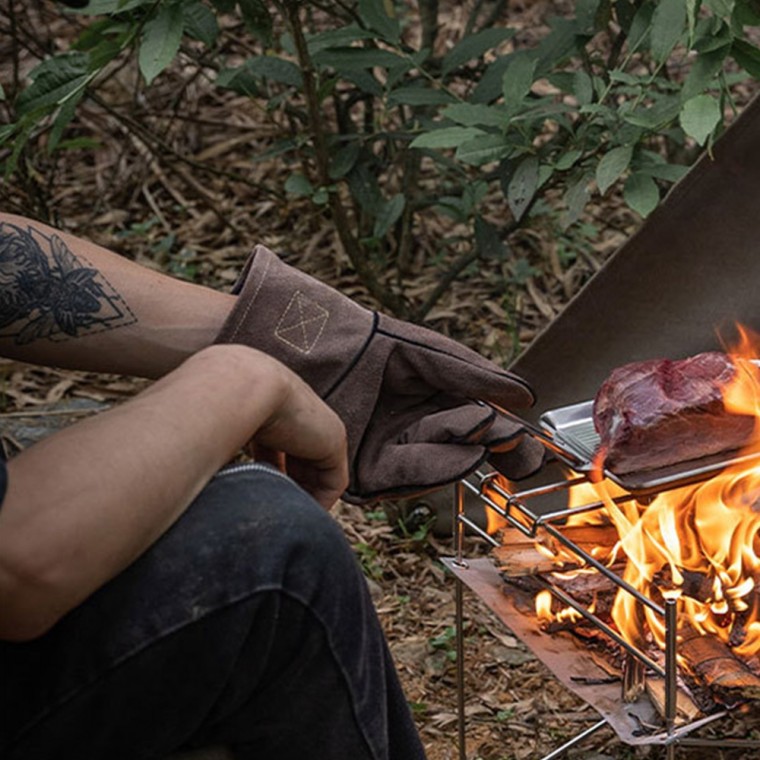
(48, 292)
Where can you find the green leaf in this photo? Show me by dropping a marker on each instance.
(657, 116)
(418, 96)
(560, 44)
(298, 185)
(612, 166)
(488, 241)
(640, 26)
(200, 22)
(523, 186)
(446, 137)
(257, 19)
(160, 40)
(19, 143)
(517, 81)
(345, 36)
(379, 15)
(246, 78)
(700, 116)
(641, 194)
(747, 13)
(224, 6)
(53, 81)
(712, 34)
(477, 115)
(583, 88)
(62, 120)
(343, 160)
(350, 58)
(703, 72)
(720, 7)
(6, 131)
(2, 93)
(103, 7)
(668, 172)
(668, 24)
(483, 149)
(576, 198)
(491, 85)
(362, 184)
(586, 14)
(80, 143)
(747, 56)
(388, 215)
(567, 160)
(240, 80)
(365, 81)
(473, 47)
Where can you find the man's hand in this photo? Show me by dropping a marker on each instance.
(409, 397)
(311, 439)
(84, 503)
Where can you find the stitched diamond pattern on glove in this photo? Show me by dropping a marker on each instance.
(302, 322)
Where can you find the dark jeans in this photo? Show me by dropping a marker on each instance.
(247, 624)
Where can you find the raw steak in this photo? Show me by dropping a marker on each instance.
(655, 413)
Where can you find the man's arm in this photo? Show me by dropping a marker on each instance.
(82, 504)
(70, 303)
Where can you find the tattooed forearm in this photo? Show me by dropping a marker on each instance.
(48, 292)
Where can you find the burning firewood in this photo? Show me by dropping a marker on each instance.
(518, 554)
(715, 666)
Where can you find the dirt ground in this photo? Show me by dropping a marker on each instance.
(158, 190)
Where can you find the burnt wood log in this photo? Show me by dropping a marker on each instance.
(713, 664)
(519, 556)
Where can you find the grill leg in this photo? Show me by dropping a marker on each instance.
(460, 669)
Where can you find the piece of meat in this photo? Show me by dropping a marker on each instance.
(655, 413)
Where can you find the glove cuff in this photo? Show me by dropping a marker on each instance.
(305, 324)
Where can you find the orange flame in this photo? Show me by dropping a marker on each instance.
(699, 544)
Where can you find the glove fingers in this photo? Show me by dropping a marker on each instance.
(446, 364)
(466, 423)
(503, 435)
(523, 459)
(412, 469)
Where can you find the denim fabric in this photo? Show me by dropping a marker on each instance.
(247, 624)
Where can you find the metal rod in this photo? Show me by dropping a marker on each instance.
(575, 741)
(604, 570)
(601, 625)
(560, 485)
(459, 604)
(671, 664)
(483, 534)
(459, 522)
(593, 507)
(541, 435)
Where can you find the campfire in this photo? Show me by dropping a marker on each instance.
(656, 580)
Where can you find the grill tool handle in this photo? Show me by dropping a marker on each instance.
(544, 437)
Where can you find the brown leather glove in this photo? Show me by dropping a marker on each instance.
(409, 397)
